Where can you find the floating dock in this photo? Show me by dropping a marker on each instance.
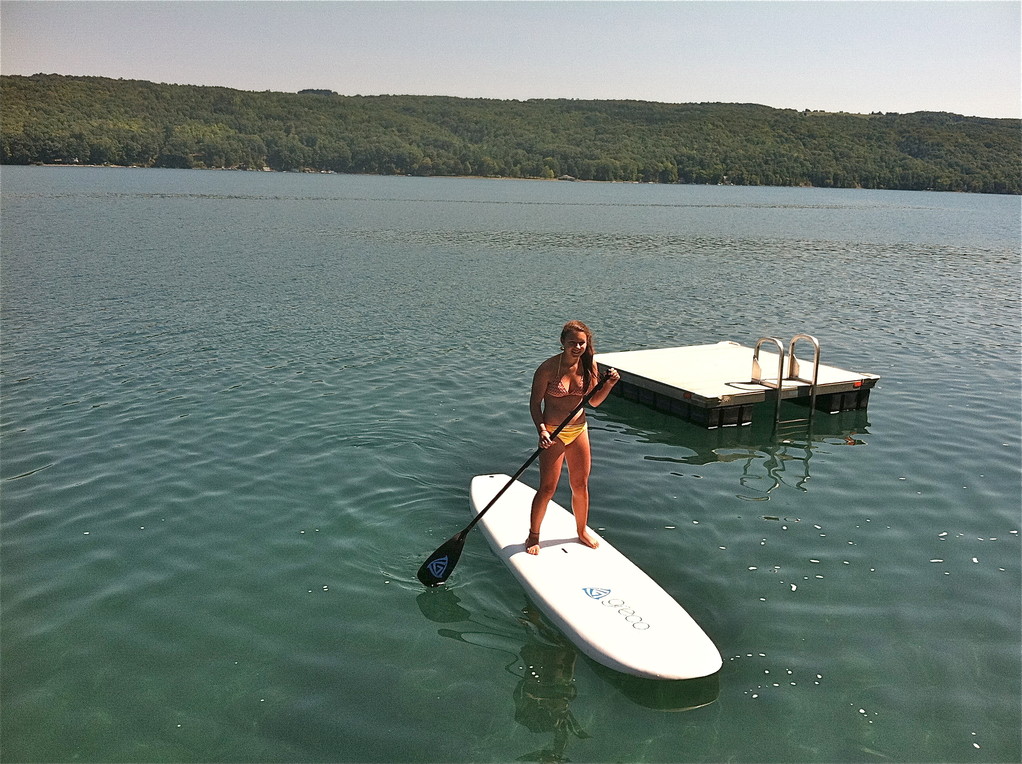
(719, 385)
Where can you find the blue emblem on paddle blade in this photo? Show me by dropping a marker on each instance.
(596, 594)
(438, 567)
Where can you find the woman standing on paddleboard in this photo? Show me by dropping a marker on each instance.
(558, 386)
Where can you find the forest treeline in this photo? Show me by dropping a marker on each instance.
(48, 118)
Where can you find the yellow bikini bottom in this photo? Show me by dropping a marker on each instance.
(570, 432)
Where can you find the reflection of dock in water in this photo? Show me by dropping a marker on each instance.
(724, 445)
(774, 453)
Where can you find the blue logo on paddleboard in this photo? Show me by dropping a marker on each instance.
(438, 567)
(616, 603)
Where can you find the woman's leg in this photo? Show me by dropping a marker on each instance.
(550, 461)
(579, 460)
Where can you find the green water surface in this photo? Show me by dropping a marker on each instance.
(239, 409)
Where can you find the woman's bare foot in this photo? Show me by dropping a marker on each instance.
(532, 543)
(587, 539)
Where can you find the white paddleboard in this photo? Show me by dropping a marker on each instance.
(599, 599)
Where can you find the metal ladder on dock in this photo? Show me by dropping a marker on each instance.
(793, 375)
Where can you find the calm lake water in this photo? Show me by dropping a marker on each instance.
(239, 409)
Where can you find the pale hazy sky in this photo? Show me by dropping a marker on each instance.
(960, 56)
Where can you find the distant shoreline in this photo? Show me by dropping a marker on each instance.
(307, 171)
(318, 172)
(466, 177)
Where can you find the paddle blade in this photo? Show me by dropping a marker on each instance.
(439, 565)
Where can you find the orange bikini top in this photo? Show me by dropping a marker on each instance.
(556, 389)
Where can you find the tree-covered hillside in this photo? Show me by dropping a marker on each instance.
(93, 120)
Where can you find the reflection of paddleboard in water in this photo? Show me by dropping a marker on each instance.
(599, 599)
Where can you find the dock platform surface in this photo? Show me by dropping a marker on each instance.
(713, 384)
